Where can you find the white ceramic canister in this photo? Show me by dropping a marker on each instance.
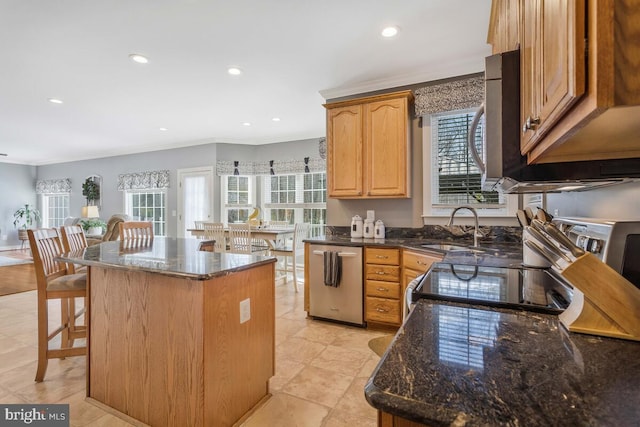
(368, 228)
(356, 226)
(379, 230)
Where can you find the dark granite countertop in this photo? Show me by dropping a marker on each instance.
(491, 254)
(455, 364)
(168, 256)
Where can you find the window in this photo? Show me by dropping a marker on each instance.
(297, 198)
(238, 198)
(148, 205)
(454, 177)
(55, 208)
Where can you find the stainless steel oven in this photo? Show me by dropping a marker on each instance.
(616, 243)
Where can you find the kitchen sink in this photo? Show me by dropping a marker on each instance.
(447, 247)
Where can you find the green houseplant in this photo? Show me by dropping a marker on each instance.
(24, 218)
(93, 226)
(91, 190)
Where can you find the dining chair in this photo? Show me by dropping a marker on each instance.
(293, 250)
(54, 282)
(215, 231)
(73, 239)
(136, 234)
(240, 241)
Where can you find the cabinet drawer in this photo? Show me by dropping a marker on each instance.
(418, 261)
(376, 288)
(382, 256)
(387, 273)
(383, 310)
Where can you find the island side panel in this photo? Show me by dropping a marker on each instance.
(239, 357)
(146, 346)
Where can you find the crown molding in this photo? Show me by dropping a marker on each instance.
(462, 67)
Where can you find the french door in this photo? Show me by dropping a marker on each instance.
(195, 198)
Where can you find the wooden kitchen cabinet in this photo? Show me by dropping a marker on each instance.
(415, 263)
(580, 76)
(552, 65)
(388, 420)
(382, 286)
(368, 147)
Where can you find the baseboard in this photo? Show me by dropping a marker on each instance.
(11, 247)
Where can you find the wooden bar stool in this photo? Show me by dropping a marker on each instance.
(135, 234)
(54, 282)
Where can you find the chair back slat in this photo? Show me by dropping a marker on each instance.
(240, 238)
(73, 238)
(215, 231)
(45, 246)
(301, 232)
(136, 233)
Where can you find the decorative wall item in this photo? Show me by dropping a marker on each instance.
(454, 95)
(322, 148)
(53, 186)
(91, 190)
(144, 180)
(271, 167)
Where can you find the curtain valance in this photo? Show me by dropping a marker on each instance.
(53, 186)
(270, 167)
(454, 95)
(149, 180)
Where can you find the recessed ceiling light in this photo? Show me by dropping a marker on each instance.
(4, 154)
(234, 71)
(246, 124)
(163, 129)
(140, 59)
(389, 32)
(55, 101)
(276, 119)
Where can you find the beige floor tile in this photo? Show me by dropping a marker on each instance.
(17, 357)
(322, 332)
(108, 420)
(298, 350)
(285, 371)
(283, 410)
(356, 339)
(288, 327)
(56, 386)
(82, 412)
(342, 360)
(319, 385)
(369, 366)
(344, 419)
(354, 402)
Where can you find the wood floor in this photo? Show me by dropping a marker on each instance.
(17, 278)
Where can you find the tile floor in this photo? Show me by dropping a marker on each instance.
(321, 369)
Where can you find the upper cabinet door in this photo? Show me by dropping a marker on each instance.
(553, 64)
(386, 148)
(344, 151)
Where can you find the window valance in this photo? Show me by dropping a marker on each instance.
(270, 167)
(53, 186)
(450, 96)
(148, 180)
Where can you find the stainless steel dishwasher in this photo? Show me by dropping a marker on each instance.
(345, 302)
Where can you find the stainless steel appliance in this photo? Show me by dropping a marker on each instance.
(616, 243)
(531, 289)
(505, 168)
(345, 302)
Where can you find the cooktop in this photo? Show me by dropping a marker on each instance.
(532, 289)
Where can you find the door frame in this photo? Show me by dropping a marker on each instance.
(205, 170)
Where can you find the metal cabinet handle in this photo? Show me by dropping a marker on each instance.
(382, 289)
(381, 310)
(382, 273)
(530, 123)
(382, 256)
(420, 262)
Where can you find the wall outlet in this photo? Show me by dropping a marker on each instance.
(245, 310)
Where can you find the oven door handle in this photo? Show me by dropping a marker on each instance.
(340, 254)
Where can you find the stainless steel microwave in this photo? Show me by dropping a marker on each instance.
(504, 168)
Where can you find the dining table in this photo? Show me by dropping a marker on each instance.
(273, 236)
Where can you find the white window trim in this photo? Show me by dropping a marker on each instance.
(298, 208)
(44, 217)
(431, 211)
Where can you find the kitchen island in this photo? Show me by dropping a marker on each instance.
(457, 364)
(177, 336)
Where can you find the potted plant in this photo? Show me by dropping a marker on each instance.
(93, 226)
(91, 190)
(25, 218)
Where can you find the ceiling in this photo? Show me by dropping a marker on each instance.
(293, 54)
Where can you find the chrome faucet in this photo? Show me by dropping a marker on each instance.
(476, 232)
